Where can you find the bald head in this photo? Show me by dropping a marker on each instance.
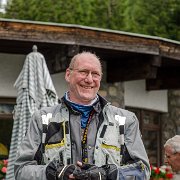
(83, 55)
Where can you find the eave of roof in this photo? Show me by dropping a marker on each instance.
(90, 28)
(152, 58)
(70, 34)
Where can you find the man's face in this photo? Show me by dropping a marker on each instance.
(173, 159)
(84, 79)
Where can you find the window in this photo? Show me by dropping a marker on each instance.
(150, 127)
(6, 120)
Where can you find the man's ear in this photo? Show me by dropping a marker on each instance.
(67, 74)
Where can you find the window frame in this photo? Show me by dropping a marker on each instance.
(140, 113)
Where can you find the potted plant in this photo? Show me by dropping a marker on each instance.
(3, 168)
(161, 173)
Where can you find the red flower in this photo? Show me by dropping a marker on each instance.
(167, 169)
(157, 170)
(4, 169)
(170, 175)
(162, 172)
(5, 161)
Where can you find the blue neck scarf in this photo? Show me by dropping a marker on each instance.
(83, 109)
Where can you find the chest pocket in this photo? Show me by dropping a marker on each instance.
(54, 142)
(110, 144)
(113, 139)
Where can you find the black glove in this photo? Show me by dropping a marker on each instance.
(111, 170)
(92, 172)
(56, 171)
(63, 173)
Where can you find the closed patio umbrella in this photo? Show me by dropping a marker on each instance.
(35, 90)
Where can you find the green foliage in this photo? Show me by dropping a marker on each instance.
(152, 17)
(159, 18)
(97, 13)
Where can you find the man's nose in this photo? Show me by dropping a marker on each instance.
(89, 77)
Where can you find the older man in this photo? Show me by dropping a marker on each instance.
(172, 155)
(84, 137)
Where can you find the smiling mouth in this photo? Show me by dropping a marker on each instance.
(86, 87)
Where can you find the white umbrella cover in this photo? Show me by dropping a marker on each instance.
(35, 90)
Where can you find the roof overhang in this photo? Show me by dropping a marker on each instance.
(129, 56)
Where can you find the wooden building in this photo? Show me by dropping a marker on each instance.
(131, 62)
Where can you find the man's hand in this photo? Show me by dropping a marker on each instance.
(92, 172)
(56, 171)
(66, 172)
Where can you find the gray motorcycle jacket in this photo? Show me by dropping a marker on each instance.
(55, 133)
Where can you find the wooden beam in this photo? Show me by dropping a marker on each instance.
(73, 35)
(73, 50)
(59, 57)
(167, 78)
(162, 84)
(169, 50)
(143, 67)
(135, 73)
(156, 61)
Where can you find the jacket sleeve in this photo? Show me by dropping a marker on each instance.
(25, 167)
(135, 144)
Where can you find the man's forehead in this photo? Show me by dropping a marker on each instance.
(87, 59)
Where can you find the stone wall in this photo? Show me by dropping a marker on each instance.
(113, 92)
(171, 120)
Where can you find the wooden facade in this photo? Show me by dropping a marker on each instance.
(128, 56)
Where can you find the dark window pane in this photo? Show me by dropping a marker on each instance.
(6, 131)
(6, 108)
(151, 144)
(6, 123)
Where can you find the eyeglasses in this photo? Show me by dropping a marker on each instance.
(84, 73)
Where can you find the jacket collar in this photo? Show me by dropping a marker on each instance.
(97, 106)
